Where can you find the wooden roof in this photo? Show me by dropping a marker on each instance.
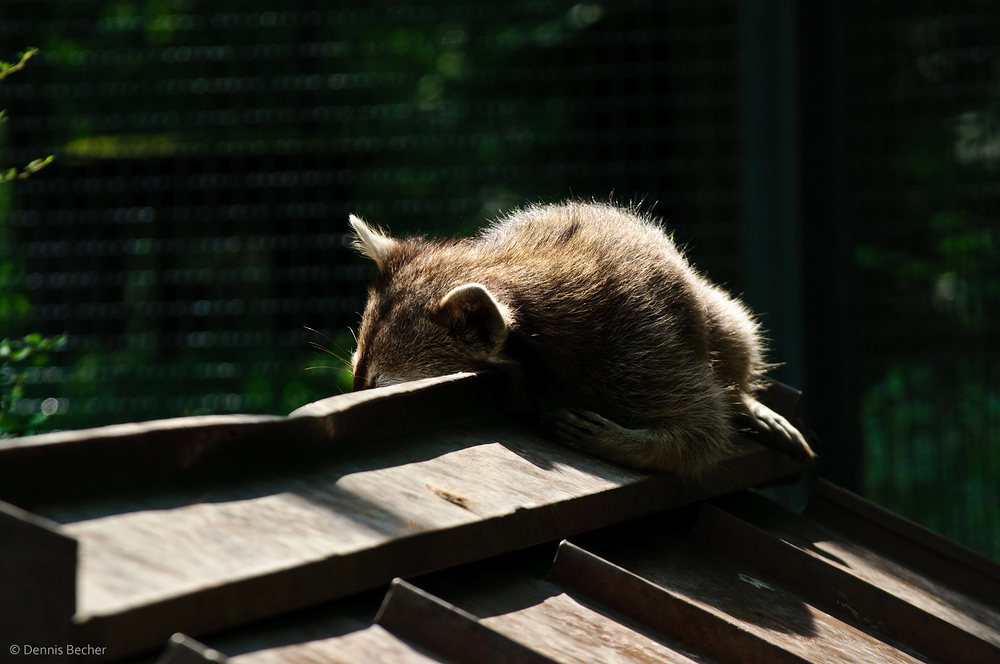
(736, 579)
(275, 538)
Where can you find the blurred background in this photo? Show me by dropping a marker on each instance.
(836, 163)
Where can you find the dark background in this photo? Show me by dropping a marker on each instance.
(836, 163)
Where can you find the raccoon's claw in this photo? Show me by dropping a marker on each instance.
(575, 426)
(589, 432)
(776, 432)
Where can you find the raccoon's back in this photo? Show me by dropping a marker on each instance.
(609, 303)
(574, 238)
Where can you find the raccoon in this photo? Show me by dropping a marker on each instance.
(608, 335)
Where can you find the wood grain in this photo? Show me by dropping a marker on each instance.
(204, 562)
(850, 580)
(545, 617)
(906, 543)
(133, 458)
(201, 524)
(714, 607)
(373, 645)
(37, 580)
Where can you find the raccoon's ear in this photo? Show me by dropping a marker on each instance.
(471, 311)
(371, 243)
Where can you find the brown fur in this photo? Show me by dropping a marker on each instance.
(606, 331)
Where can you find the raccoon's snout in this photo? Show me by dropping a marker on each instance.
(382, 380)
(360, 383)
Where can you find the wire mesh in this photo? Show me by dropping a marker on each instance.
(927, 144)
(208, 155)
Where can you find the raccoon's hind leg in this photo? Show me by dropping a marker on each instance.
(773, 430)
(684, 450)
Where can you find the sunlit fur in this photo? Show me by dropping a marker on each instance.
(600, 313)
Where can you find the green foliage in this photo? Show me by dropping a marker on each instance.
(933, 448)
(13, 305)
(6, 69)
(930, 279)
(24, 358)
(20, 360)
(33, 166)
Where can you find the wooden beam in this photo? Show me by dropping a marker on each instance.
(385, 483)
(854, 584)
(128, 457)
(37, 582)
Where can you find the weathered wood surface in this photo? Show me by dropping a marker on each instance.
(132, 458)
(854, 582)
(450, 633)
(197, 563)
(503, 627)
(393, 486)
(652, 590)
(906, 543)
(373, 645)
(37, 580)
(675, 586)
(557, 621)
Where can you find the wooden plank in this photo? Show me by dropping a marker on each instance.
(126, 457)
(134, 558)
(37, 581)
(175, 556)
(71, 464)
(849, 581)
(223, 558)
(569, 631)
(450, 633)
(713, 608)
(123, 458)
(905, 542)
(327, 621)
(546, 618)
(374, 645)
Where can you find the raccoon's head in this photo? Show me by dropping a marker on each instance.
(418, 321)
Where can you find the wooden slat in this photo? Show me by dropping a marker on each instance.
(431, 502)
(673, 598)
(714, 611)
(670, 596)
(373, 645)
(543, 616)
(450, 633)
(291, 542)
(135, 457)
(37, 580)
(171, 556)
(845, 579)
(905, 542)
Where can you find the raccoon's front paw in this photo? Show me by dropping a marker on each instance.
(776, 432)
(589, 432)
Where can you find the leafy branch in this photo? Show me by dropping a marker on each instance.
(21, 358)
(18, 359)
(6, 69)
(33, 167)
